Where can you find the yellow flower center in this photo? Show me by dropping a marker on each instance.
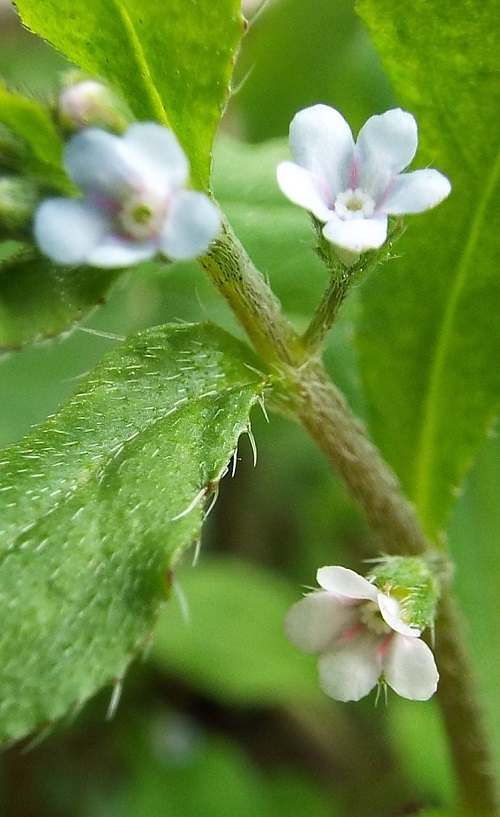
(142, 215)
(354, 204)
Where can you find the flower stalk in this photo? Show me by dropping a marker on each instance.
(342, 279)
(305, 393)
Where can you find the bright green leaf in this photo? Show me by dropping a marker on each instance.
(98, 503)
(231, 643)
(39, 300)
(172, 61)
(29, 121)
(429, 338)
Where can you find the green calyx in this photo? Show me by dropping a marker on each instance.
(415, 582)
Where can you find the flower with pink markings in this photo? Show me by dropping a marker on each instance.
(362, 639)
(352, 187)
(136, 202)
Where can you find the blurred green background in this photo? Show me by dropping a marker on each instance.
(223, 717)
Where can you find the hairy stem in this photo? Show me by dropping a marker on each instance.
(313, 400)
(305, 393)
(463, 717)
(342, 279)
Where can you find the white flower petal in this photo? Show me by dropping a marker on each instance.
(192, 224)
(114, 252)
(410, 669)
(351, 672)
(357, 234)
(100, 162)
(415, 192)
(305, 189)
(391, 613)
(321, 141)
(66, 230)
(162, 150)
(346, 583)
(386, 144)
(315, 622)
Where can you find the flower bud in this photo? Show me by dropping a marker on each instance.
(87, 103)
(414, 582)
(18, 198)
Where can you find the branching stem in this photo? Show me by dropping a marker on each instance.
(305, 393)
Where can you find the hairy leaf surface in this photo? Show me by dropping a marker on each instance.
(97, 504)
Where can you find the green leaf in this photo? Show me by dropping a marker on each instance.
(231, 643)
(429, 338)
(474, 535)
(172, 61)
(29, 121)
(39, 300)
(98, 503)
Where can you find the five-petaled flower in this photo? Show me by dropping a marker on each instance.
(135, 201)
(362, 639)
(351, 187)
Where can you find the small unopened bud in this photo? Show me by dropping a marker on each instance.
(18, 199)
(415, 582)
(91, 104)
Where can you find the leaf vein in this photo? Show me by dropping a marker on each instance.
(426, 446)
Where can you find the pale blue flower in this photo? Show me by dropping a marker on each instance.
(352, 187)
(135, 202)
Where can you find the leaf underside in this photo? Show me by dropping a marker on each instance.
(96, 506)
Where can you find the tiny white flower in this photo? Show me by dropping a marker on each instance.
(352, 187)
(135, 202)
(362, 638)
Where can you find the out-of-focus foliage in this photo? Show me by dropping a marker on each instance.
(474, 539)
(40, 144)
(234, 649)
(39, 300)
(297, 54)
(184, 86)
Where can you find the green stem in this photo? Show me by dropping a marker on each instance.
(314, 401)
(342, 278)
(252, 301)
(306, 394)
(463, 718)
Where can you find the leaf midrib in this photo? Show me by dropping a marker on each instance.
(142, 64)
(430, 415)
